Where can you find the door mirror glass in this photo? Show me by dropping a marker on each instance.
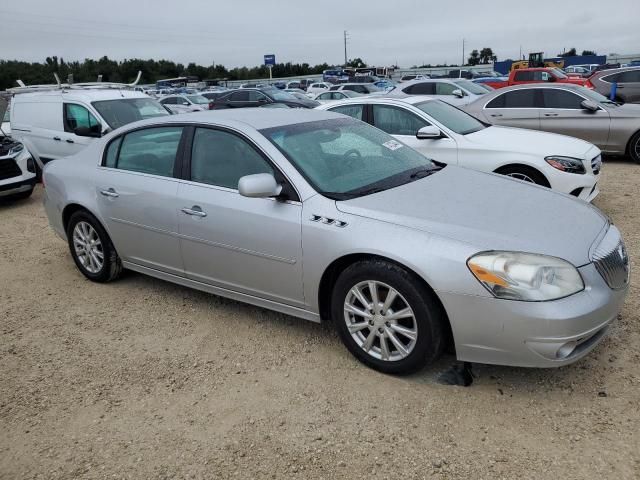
(259, 185)
(458, 93)
(94, 131)
(589, 105)
(428, 132)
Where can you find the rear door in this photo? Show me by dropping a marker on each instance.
(404, 125)
(562, 113)
(136, 189)
(248, 245)
(516, 108)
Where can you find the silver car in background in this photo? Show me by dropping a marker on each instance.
(322, 216)
(567, 109)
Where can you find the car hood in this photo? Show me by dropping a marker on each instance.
(488, 211)
(298, 102)
(529, 141)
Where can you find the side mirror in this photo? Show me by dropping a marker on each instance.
(260, 185)
(589, 105)
(458, 93)
(94, 131)
(262, 100)
(428, 133)
(185, 103)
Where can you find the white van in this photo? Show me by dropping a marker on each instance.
(60, 122)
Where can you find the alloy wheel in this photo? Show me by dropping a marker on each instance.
(521, 176)
(88, 247)
(380, 320)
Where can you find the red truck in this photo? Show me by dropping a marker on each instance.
(535, 75)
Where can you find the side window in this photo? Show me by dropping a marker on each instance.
(77, 116)
(152, 150)
(111, 155)
(354, 111)
(396, 121)
(338, 96)
(255, 96)
(240, 96)
(421, 89)
(445, 88)
(631, 76)
(523, 76)
(222, 158)
(325, 96)
(514, 99)
(556, 98)
(541, 76)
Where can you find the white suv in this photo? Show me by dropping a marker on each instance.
(60, 122)
(17, 170)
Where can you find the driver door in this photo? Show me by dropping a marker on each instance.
(74, 116)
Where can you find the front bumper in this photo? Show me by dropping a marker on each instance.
(533, 334)
(18, 186)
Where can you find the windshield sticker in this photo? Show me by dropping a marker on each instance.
(393, 145)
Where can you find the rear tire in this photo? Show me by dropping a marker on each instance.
(634, 147)
(525, 173)
(91, 248)
(397, 336)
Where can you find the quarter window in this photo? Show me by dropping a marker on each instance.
(152, 151)
(222, 158)
(396, 121)
(76, 116)
(556, 98)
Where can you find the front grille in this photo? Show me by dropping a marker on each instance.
(9, 169)
(596, 164)
(611, 260)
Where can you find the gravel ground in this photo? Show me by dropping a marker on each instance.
(144, 379)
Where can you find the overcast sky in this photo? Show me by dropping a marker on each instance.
(382, 32)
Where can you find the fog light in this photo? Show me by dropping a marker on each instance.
(565, 350)
(31, 165)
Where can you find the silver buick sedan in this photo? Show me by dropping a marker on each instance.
(324, 217)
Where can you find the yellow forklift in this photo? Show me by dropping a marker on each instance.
(536, 60)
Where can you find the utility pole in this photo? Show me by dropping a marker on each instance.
(462, 64)
(345, 48)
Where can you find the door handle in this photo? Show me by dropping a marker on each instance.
(194, 211)
(496, 114)
(109, 193)
(70, 141)
(57, 139)
(550, 114)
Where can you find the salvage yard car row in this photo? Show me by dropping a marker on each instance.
(362, 212)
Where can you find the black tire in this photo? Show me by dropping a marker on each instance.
(634, 147)
(111, 266)
(18, 196)
(428, 314)
(516, 171)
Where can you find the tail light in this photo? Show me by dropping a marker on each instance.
(589, 85)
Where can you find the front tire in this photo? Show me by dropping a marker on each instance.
(634, 148)
(526, 174)
(387, 318)
(91, 248)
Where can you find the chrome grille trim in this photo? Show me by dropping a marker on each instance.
(611, 260)
(596, 164)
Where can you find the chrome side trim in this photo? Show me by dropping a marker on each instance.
(223, 292)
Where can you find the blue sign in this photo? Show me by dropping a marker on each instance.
(269, 60)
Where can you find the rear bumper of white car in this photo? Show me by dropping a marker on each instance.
(533, 334)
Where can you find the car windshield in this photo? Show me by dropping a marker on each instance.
(198, 99)
(470, 87)
(451, 117)
(346, 158)
(127, 110)
(280, 95)
(559, 73)
(595, 96)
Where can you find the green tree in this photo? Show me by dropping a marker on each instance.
(474, 58)
(356, 63)
(486, 55)
(569, 53)
(588, 52)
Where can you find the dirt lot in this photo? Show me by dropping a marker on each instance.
(144, 379)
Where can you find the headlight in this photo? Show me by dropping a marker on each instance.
(15, 150)
(525, 276)
(566, 164)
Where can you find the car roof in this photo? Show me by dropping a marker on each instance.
(86, 95)
(257, 118)
(410, 100)
(569, 86)
(617, 70)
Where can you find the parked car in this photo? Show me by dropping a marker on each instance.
(491, 82)
(449, 135)
(186, 103)
(577, 70)
(291, 85)
(316, 88)
(58, 123)
(352, 225)
(567, 109)
(254, 97)
(363, 88)
(296, 92)
(329, 97)
(305, 82)
(453, 91)
(537, 75)
(627, 80)
(411, 77)
(17, 170)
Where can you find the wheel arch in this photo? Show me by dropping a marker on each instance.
(632, 137)
(336, 267)
(501, 169)
(74, 207)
